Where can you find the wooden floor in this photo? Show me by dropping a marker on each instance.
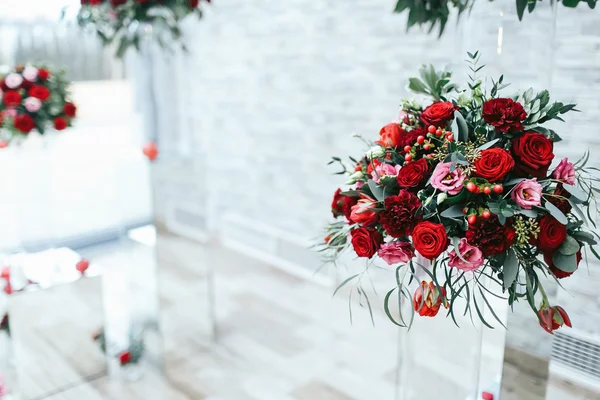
(277, 337)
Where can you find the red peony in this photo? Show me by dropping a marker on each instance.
(533, 154)
(24, 123)
(43, 74)
(40, 92)
(557, 272)
(400, 214)
(438, 114)
(60, 123)
(552, 233)
(12, 98)
(490, 236)
(494, 164)
(70, 110)
(390, 135)
(125, 358)
(427, 299)
(366, 241)
(430, 239)
(413, 175)
(504, 114)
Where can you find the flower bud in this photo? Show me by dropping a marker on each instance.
(374, 152)
(441, 197)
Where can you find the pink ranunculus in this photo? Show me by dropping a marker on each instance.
(362, 212)
(527, 193)
(446, 181)
(471, 254)
(384, 170)
(32, 104)
(396, 252)
(13, 81)
(30, 73)
(565, 171)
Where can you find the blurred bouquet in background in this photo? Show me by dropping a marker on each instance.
(127, 22)
(33, 97)
(464, 184)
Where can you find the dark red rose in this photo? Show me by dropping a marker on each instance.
(430, 239)
(349, 202)
(12, 98)
(390, 135)
(43, 74)
(337, 205)
(70, 110)
(494, 164)
(552, 233)
(438, 114)
(40, 92)
(400, 214)
(413, 175)
(561, 202)
(125, 358)
(533, 154)
(60, 123)
(559, 273)
(24, 123)
(366, 241)
(504, 114)
(427, 299)
(490, 236)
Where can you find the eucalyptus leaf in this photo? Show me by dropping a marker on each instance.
(569, 246)
(376, 190)
(566, 263)
(510, 270)
(463, 129)
(488, 144)
(528, 213)
(556, 213)
(576, 192)
(453, 212)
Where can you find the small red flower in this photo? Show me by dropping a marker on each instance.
(40, 92)
(60, 123)
(12, 98)
(427, 299)
(150, 150)
(43, 74)
(70, 110)
(125, 358)
(82, 266)
(24, 123)
(552, 318)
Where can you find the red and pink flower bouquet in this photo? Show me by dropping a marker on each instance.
(465, 181)
(33, 97)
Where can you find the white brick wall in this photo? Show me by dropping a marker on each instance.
(271, 90)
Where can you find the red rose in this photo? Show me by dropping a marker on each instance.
(438, 114)
(552, 233)
(12, 98)
(125, 358)
(494, 164)
(504, 114)
(24, 123)
(533, 154)
(337, 204)
(430, 239)
(413, 174)
(490, 236)
(366, 241)
(427, 299)
(40, 92)
(557, 272)
(60, 123)
(70, 110)
(390, 135)
(43, 74)
(400, 214)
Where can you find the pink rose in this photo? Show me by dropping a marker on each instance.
(32, 104)
(396, 252)
(30, 73)
(527, 193)
(446, 181)
(384, 170)
(472, 255)
(13, 81)
(565, 171)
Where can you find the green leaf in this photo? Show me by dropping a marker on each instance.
(416, 85)
(453, 212)
(376, 190)
(463, 129)
(576, 192)
(510, 270)
(556, 213)
(566, 263)
(341, 285)
(570, 3)
(584, 237)
(528, 213)
(488, 145)
(455, 243)
(569, 246)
